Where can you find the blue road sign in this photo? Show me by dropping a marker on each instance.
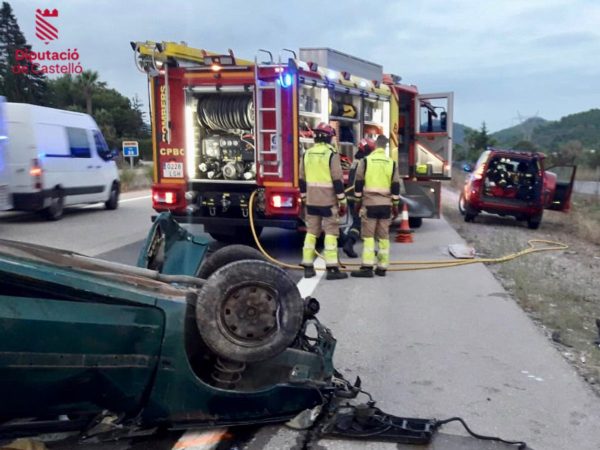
(130, 148)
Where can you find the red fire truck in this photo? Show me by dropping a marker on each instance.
(223, 127)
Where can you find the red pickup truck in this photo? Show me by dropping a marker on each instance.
(515, 183)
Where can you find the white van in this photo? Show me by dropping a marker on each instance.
(5, 201)
(57, 158)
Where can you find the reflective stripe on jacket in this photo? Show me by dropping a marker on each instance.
(377, 180)
(321, 177)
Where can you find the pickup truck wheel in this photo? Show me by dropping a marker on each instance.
(534, 222)
(113, 200)
(227, 255)
(56, 208)
(249, 311)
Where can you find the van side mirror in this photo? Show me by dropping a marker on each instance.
(468, 167)
(114, 153)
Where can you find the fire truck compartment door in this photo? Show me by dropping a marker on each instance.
(423, 198)
(433, 132)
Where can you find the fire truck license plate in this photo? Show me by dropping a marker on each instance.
(173, 170)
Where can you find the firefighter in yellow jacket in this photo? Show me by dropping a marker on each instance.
(322, 191)
(377, 190)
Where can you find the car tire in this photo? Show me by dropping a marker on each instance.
(241, 235)
(227, 255)
(57, 204)
(415, 222)
(470, 216)
(462, 203)
(534, 222)
(249, 311)
(113, 199)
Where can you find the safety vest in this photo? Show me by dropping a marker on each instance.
(316, 165)
(379, 171)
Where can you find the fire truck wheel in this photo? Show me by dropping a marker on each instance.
(241, 235)
(249, 311)
(415, 222)
(226, 255)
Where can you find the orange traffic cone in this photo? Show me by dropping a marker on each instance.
(404, 235)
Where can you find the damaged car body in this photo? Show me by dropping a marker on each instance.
(83, 336)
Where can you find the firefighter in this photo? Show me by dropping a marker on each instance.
(365, 146)
(377, 189)
(322, 192)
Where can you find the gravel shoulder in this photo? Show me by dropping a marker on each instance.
(560, 290)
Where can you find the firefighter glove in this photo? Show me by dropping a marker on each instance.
(395, 211)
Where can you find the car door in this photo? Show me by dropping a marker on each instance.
(66, 350)
(565, 179)
(433, 135)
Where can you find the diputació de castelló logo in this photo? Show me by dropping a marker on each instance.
(44, 30)
(46, 62)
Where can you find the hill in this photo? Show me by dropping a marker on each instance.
(458, 133)
(509, 137)
(550, 136)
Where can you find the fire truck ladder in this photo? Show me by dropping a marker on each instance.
(268, 109)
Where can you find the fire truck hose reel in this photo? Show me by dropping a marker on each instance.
(226, 112)
(532, 247)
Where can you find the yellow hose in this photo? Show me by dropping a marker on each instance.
(416, 265)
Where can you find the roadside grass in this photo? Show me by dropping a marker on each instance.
(136, 178)
(585, 216)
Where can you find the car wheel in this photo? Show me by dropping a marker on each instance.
(249, 311)
(462, 203)
(415, 222)
(227, 255)
(56, 208)
(470, 216)
(113, 199)
(241, 235)
(534, 222)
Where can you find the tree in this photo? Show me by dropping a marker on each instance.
(477, 142)
(28, 85)
(87, 82)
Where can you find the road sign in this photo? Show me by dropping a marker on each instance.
(130, 148)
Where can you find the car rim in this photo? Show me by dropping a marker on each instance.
(249, 312)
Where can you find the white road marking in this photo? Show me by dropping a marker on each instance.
(124, 200)
(306, 286)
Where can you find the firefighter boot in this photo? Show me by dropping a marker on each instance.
(334, 273)
(309, 272)
(348, 248)
(380, 272)
(363, 272)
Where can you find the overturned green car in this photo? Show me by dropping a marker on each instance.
(181, 340)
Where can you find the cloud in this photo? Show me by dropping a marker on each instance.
(497, 56)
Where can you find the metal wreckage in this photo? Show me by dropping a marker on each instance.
(180, 341)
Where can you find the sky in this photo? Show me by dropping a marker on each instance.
(505, 60)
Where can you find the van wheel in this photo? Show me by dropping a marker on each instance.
(227, 255)
(56, 208)
(249, 311)
(113, 199)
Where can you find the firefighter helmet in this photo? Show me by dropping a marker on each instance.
(366, 145)
(325, 128)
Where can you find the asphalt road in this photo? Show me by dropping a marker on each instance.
(442, 343)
